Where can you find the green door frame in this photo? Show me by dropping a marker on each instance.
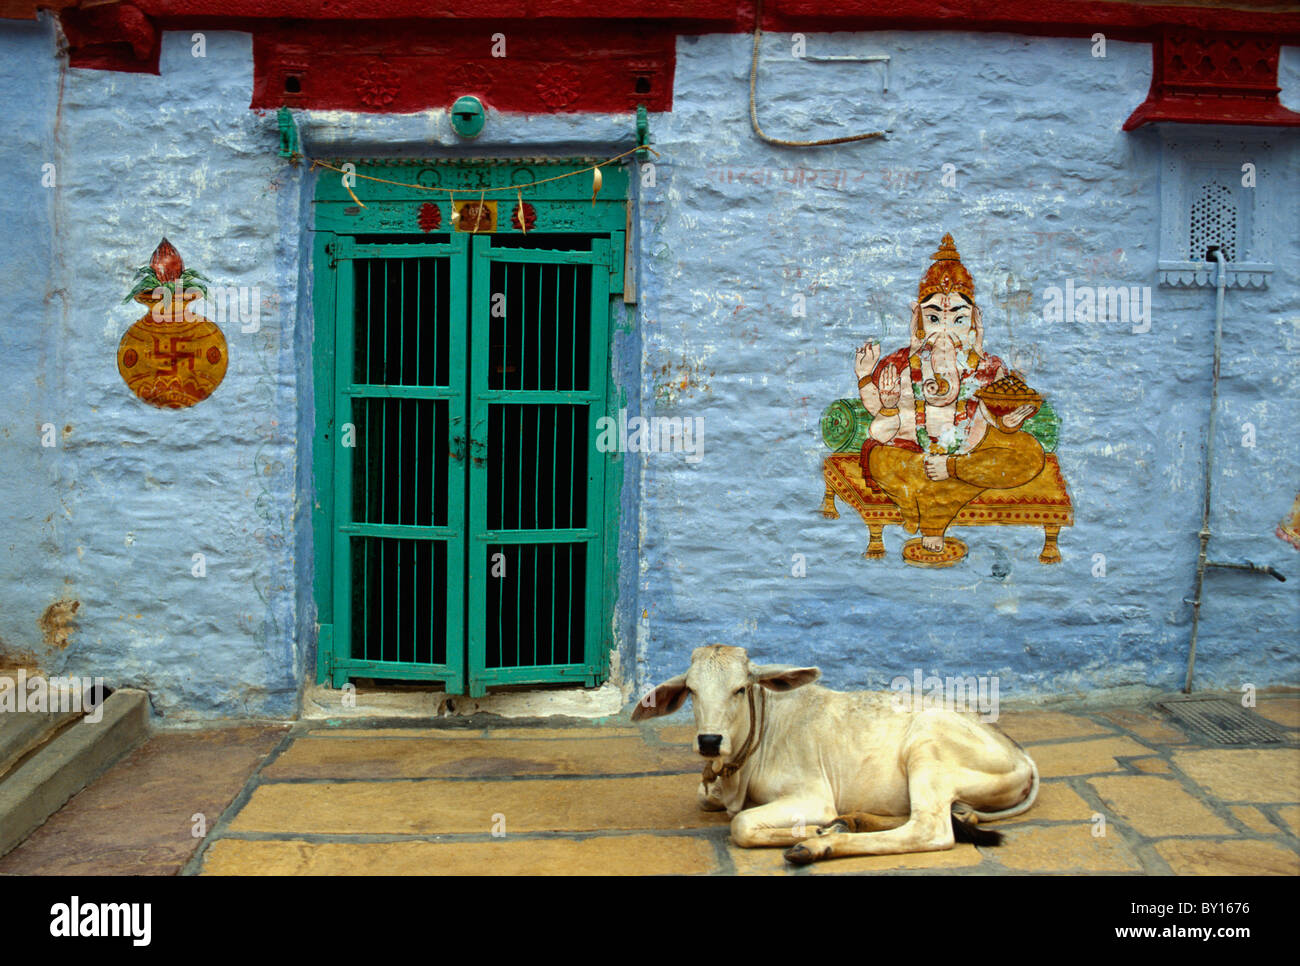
(565, 206)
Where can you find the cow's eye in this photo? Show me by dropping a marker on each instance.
(738, 692)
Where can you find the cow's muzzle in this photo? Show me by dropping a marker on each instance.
(710, 745)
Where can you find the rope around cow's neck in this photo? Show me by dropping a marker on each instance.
(747, 749)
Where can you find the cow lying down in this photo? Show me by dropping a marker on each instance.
(831, 773)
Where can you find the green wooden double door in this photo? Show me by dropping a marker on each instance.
(468, 514)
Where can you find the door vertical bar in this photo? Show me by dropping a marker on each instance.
(458, 470)
(598, 361)
(325, 443)
(477, 573)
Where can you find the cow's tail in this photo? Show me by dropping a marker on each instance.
(1014, 810)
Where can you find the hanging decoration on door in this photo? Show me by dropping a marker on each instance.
(481, 216)
(524, 217)
(476, 216)
(171, 357)
(430, 217)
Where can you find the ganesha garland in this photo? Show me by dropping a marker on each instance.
(946, 416)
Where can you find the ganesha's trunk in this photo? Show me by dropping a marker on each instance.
(942, 389)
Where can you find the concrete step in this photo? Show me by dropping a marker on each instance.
(44, 779)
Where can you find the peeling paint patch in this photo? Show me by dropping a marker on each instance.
(13, 659)
(58, 622)
(680, 380)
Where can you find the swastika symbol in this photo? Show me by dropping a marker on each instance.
(176, 353)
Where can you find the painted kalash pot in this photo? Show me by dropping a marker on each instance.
(171, 357)
(942, 433)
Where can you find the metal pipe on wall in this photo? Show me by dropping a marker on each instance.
(1213, 253)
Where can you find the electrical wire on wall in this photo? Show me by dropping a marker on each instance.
(753, 109)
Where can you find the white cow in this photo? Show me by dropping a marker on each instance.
(833, 773)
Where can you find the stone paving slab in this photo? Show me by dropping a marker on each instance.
(1066, 848)
(1253, 819)
(1084, 757)
(679, 734)
(450, 734)
(595, 731)
(138, 818)
(1158, 806)
(1190, 857)
(1146, 724)
(1290, 816)
(433, 807)
(771, 862)
(459, 734)
(1283, 711)
(1028, 727)
(381, 757)
(1150, 766)
(1057, 802)
(1244, 774)
(609, 855)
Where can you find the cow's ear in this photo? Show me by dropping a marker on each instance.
(783, 677)
(665, 699)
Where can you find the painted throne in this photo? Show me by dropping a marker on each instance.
(1042, 502)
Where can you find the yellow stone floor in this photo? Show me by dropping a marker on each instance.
(1124, 792)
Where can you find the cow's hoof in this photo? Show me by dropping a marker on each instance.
(799, 855)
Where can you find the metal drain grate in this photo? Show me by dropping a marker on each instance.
(1220, 721)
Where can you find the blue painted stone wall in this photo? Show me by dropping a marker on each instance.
(1048, 188)
(31, 297)
(133, 492)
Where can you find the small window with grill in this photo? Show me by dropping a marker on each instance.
(1214, 221)
(1214, 193)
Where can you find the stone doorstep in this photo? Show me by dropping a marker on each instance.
(41, 785)
(321, 703)
(22, 732)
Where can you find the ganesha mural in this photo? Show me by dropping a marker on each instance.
(942, 434)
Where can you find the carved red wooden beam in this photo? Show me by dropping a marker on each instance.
(578, 55)
(1032, 16)
(1213, 78)
(413, 65)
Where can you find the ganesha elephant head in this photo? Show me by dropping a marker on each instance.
(946, 326)
(949, 326)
